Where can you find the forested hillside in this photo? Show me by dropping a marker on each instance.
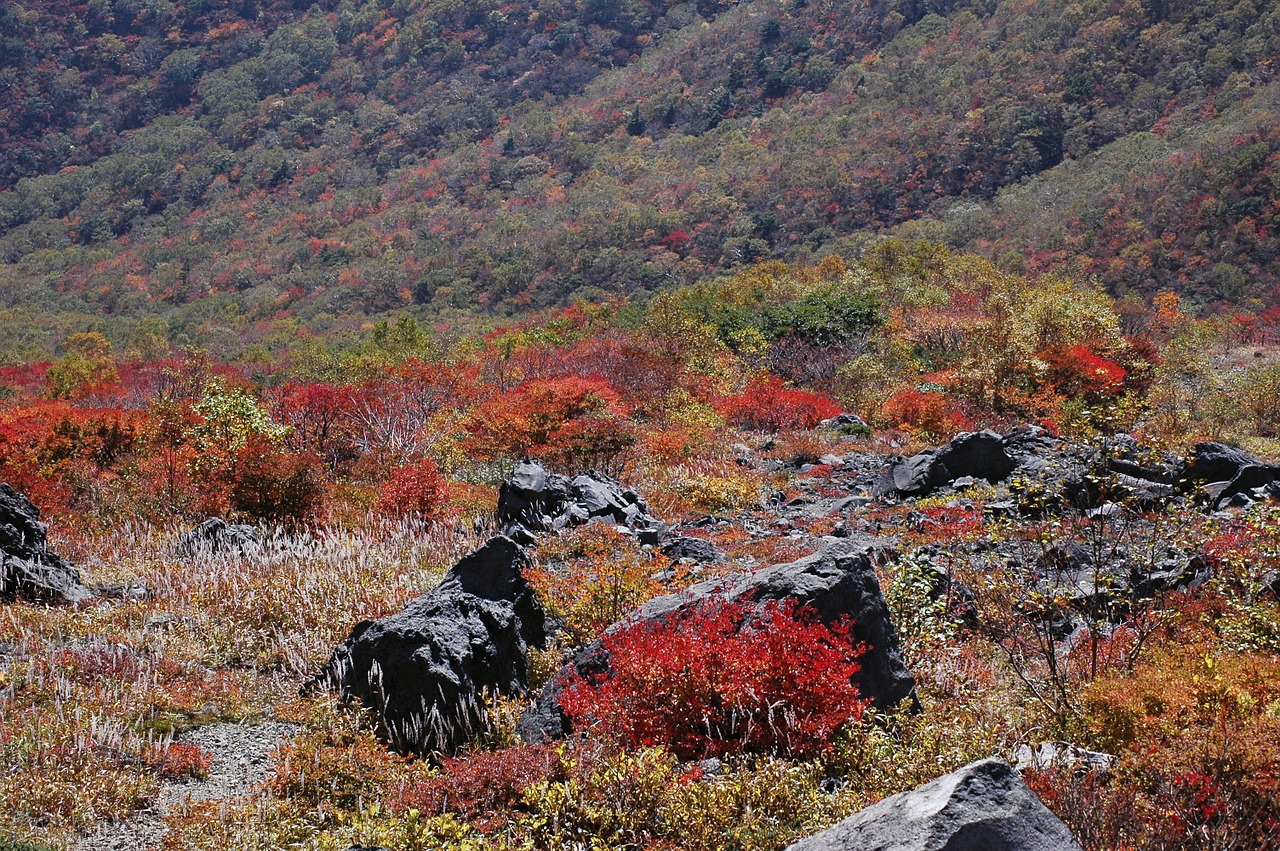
(247, 168)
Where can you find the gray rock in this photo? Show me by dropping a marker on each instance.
(424, 671)
(1062, 755)
(29, 570)
(973, 455)
(916, 475)
(529, 477)
(836, 582)
(1029, 443)
(1249, 478)
(694, 549)
(533, 500)
(984, 806)
(846, 424)
(216, 535)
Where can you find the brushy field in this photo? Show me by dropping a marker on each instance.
(95, 700)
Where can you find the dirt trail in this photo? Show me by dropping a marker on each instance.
(242, 758)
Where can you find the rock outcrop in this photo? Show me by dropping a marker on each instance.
(424, 672)
(836, 582)
(28, 569)
(977, 455)
(984, 806)
(533, 500)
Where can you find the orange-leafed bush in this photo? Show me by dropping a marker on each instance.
(723, 678)
(418, 488)
(768, 404)
(571, 422)
(178, 760)
(924, 411)
(598, 576)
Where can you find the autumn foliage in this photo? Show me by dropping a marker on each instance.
(766, 403)
(418, 488)
(724, 678)
(569, 421)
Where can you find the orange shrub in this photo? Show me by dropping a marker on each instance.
(920, 411)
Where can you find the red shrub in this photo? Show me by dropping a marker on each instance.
(419, 488)
(178, 760)
(1078, 371)
(270, 483)
(481, 784)
(724, 678)
(768, 404)
(571, 421)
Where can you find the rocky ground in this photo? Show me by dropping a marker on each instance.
(242, 756)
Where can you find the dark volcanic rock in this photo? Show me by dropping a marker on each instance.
(533, 500)
(1214, 462)
(839, 581)
(984, 806)
(28, 570)
(1249, 478)
(694, 549)
(1067, 570)
(216, 535)
(423, 671)
(979, 455)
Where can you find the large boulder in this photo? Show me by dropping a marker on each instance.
(28, 569)
(1251, 481)
(839, 581)
(532, 500)
(424, 672)
(1214, 462)
(984, 806)
(978, 455)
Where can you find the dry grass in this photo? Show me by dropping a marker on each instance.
(86, 694)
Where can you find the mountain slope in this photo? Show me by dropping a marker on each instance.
(229, 165)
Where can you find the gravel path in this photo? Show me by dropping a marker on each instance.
(242, 759)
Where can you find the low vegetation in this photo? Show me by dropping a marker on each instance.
(371, 463)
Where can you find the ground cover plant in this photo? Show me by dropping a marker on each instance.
(369, 463)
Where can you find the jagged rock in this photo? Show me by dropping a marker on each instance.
(216, 535)
(838, 581)
(694, 549)
(28, 569)
(984, 806)
(533, 500)
(1029, 444)
(1250, 478)
(424, 671)
(1067, 570)
(979, 455)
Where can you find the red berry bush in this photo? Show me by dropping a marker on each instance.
(725, 678)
